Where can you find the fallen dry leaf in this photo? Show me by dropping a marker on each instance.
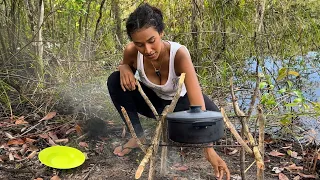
(83, 144)
(8, 135)
(55, 178)
(78, 129)
(21, 120)
(297, 178)
(30, 141)
(11, 158)
(44, 136)
(283, 177)
(124, 129)
(179, 167)
(38, 179)
(31, 155)
(306, 176)
(17, 156)
(53, 135)
(23, 149)
(66, 140)
(50, 115)
(70, 130)
(286, 147)
(293, 167)
(233, 151)
(51, 142)
(277, 170)
(275, 153)
(15, 142)
(292, 153)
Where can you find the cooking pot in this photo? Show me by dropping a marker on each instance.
(195, 126)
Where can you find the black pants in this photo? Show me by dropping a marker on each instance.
(134, 103)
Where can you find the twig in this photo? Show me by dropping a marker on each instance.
(146, 99)
(249, 166)
(235, 133)
(260, 171)
(242, 154)
(134, 135)
(241, 113)
(87, 175)
(31, 128)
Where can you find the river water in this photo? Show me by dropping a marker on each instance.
(308, 67)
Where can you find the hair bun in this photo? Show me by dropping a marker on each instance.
(158, 11)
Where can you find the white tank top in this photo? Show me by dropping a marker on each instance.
(169, 89)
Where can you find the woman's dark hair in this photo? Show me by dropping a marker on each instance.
(143, 17)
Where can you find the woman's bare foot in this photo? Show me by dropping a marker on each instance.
(126, 148)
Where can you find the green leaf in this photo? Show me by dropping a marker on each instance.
(282, 90)
(297, 100)
(291, 104)
(262, 85)
(285, 121)
(289, 84)
(298, 93)
(282, 74)
(294, 73)
(306, 106)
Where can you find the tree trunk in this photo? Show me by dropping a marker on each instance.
(99, 18)
(117, 16)
(194, 30)
(40, 68)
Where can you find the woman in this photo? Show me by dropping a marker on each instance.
(158, 64)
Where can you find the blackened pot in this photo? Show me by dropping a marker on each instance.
(195, 126)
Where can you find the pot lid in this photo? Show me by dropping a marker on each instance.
(194, 113)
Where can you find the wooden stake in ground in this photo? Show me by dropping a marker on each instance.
(133, 134)
(260, 171)
(234, 132)
(155, 141)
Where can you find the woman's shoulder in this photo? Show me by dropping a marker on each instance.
(130, 53)
(130, 49)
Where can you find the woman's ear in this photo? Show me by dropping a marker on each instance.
(161, 34)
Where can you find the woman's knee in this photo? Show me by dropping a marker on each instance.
(113, 80)
(210, 105)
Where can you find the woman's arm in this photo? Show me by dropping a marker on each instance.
(183, 64)
(129, 60)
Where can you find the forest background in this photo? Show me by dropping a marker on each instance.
(56, 55)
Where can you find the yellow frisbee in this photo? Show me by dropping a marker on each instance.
(61, 157)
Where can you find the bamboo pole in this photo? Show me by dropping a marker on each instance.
(133, 134)
(155, 141)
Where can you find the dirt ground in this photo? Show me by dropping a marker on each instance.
(183, 164)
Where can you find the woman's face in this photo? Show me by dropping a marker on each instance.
(148, 42)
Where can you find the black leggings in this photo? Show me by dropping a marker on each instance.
(134, 103)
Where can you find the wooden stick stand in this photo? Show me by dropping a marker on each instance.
(161, 130)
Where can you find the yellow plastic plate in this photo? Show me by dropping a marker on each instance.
(61, 157)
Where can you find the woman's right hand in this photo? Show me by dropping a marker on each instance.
(127, 80)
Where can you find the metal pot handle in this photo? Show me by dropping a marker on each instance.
(195, 109)
(202, 124)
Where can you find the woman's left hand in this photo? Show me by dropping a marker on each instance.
(219, 166)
